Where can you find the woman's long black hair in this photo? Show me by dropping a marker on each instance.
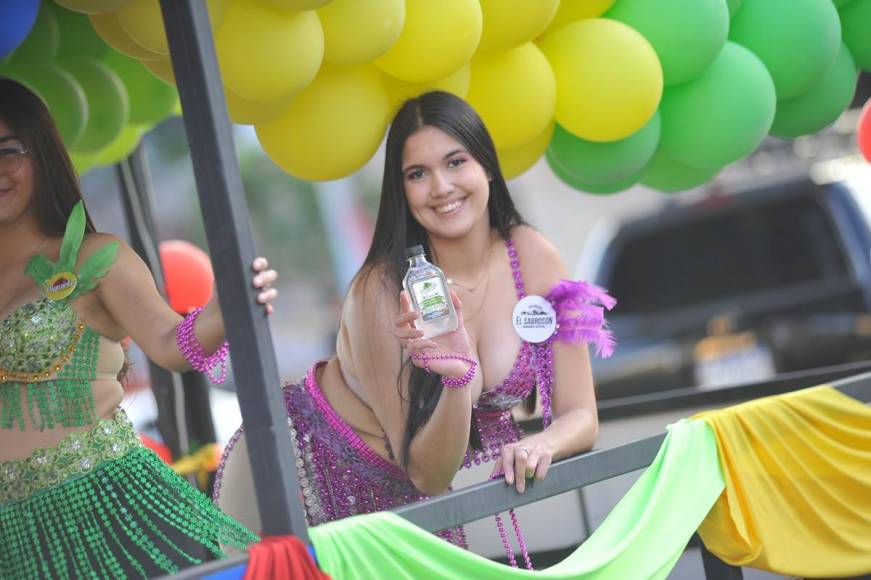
(56, 186)
(396, 229)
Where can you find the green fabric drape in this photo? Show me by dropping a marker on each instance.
(643, 536)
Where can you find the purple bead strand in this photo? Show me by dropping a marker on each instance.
(450, 382)
(192, 350)
(520, 539)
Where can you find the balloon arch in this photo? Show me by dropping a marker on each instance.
(613, 93)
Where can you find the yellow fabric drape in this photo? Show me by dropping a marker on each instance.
(798, 484)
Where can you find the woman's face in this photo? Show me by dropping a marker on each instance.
(16, 186)
(446, 188)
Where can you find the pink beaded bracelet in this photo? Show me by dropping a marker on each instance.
(193, 351)
(449, 382)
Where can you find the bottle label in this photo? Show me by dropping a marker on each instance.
(431, 298)
(534, 319)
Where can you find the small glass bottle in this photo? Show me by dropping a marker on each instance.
(428, 291)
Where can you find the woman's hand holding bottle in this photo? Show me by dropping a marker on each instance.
(415, 346)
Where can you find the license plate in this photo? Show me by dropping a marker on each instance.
(731, 360)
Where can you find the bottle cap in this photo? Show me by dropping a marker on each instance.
(414, 251)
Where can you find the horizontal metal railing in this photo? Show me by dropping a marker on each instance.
(488, 498)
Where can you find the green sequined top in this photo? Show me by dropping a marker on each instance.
(43, 345)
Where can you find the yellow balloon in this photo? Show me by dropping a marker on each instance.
(514, 91)
(439, 37)
(109, 28)
(357, 31)
(572, 10)
(92, 6)
(332, 127)
(245, 112)
(400, 91)
(515, 161)
(296, 5)
(510, 23)
(266, 55)
(162, 69)
(142, 20)
(609, 79)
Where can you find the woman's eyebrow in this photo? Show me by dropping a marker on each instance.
(416, 166)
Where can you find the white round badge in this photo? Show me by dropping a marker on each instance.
(534, 319)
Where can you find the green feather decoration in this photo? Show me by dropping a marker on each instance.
(95, 267)
(40, 268)
(72, 241)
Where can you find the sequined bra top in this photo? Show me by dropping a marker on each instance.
(580, 311)
(47, 349)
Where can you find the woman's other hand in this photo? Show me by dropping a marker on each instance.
(523, 460)
(263, 280)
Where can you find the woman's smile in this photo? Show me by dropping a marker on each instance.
(450, 208)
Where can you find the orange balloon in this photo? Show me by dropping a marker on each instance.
(188, 275)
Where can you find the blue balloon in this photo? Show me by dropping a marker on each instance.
(16, 19)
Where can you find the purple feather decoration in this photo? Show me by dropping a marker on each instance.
(580, 308)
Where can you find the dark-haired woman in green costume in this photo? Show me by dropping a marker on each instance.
(79, 496)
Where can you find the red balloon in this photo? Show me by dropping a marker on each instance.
(863, 131)
(188, 273)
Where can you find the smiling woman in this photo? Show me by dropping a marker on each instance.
(393, 417)
(71, 467)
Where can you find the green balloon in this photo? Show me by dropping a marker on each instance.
(77, 35)
(42, 43)
(601, 188)
(62, 94)
(603, 163)
(797, 40)
(151, 100)
(107, 102)
(734, 5)
(122, 147)
(686, 34)
(840, 3)
(83, 162)
(822, 104)
(665, 173)
(721, 116)
(856, 23)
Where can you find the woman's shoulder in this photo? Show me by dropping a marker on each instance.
(541, 264)
(369, 291)
(94, 241)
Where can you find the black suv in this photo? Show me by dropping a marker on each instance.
(738, 287)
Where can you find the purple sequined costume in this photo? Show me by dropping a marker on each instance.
(341, 476)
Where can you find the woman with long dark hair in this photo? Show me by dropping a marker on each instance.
(79, 494)
(394, 416)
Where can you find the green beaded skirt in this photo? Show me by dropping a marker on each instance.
(100, 505)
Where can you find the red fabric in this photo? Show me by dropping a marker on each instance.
(281, 558)
(162, 450)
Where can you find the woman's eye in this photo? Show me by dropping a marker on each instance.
(414, 175)
(456, 162)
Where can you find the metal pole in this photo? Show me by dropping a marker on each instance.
(192, 393)
(165, 385)
(228, 232)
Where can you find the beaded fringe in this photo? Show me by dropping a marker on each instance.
(61, 402)
(130, 517)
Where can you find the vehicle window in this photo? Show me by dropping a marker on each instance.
(723, 256)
